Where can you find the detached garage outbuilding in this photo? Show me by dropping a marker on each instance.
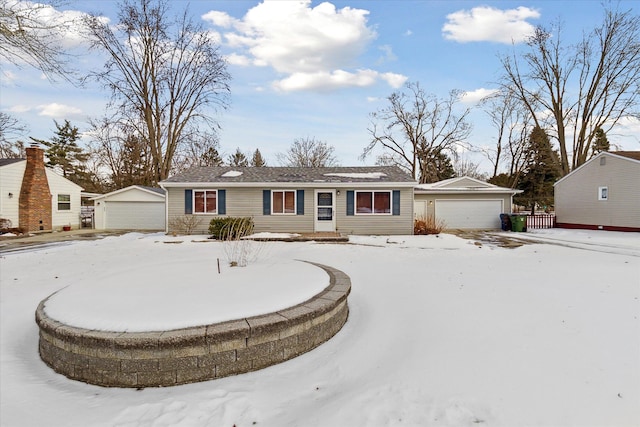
(463, 203)
(131, 208)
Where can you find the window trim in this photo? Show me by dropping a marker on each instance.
(58, 202)
(295, 202)
(603, 193)
(193, 201)
(373, 192)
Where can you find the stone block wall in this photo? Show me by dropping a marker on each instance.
(165, 358)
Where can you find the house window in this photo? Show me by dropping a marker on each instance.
(283, 202)
(373, 202)
(64, 202)
(603, 193)
(205, 201)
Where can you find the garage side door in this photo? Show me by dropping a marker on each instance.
(134, 216)
(469, 214)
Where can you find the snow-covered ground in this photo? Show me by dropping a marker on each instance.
(442, 331)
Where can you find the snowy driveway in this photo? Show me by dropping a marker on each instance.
(442, 332)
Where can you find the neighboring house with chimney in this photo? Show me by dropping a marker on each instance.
(35, 198)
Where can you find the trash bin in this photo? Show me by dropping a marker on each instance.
(505, 220)
(518, 223)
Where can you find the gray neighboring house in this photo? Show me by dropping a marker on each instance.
(135, 207)
(464, 203)
(603, 193)
(348, 200)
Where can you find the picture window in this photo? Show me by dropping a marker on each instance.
(373, 202)
(205, 201)
(283, 202)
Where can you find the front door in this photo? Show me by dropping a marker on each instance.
(325, 210)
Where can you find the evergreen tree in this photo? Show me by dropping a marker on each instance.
(257, 160)
(65, 156)
(211, 157)
(238, 159)
(503, 180)
(135, 168)
(436, 167)
(541, 172)
(601, 142)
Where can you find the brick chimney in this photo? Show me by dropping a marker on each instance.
(35, 196)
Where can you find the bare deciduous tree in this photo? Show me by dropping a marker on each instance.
(417, 128)
(11, 128)
(513, 123)
(29, 36)
(579, 88)
(308, 153)
(166, 76)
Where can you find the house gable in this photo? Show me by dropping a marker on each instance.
(579, 201)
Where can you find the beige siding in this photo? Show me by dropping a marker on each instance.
(376, 224)
(248, 202)
(430, 199)
(576, 196)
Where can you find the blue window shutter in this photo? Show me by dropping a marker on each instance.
(266, 202)
(188, 203)
(350, 202)
(396, 202)
(222, 202)
(300, 202)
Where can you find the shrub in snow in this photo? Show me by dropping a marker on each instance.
(428, 225)
(230, 227)
(184, 224)
(239, 251)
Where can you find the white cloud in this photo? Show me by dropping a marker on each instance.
(235, 59)
(219, 19)
(394, 80)
(59, 111)
(20, 108)
(388, 54)
(486, 23)
(324, 81)
(408, 33)
(61, 27)
(311, 46)
(8, 77)
(475, 96)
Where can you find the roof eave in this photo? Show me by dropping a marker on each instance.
(305, 184)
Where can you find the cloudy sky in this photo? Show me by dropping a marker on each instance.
(318, 69)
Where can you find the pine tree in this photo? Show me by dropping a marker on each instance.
(211, 157)
(135, 168)
(65, 156)
(238, 159)
(601, 142)
(541, 172)
(257, 160)
(436, 167)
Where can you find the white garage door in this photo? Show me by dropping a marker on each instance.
(134, 216)
(469, 214)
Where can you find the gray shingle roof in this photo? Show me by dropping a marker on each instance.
(5, 162)
(230, 174)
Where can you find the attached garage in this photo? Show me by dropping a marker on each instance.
(131, 208)
(463, 203)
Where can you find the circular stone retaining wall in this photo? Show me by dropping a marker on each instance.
(200, 353)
